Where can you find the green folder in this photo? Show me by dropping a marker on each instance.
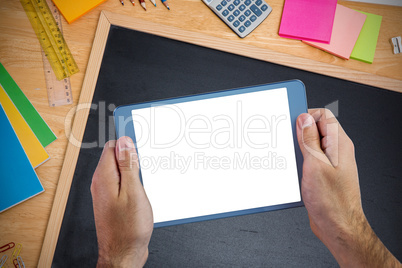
(42, 131)
(366, 44)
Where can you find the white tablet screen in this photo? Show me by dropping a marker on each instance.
(217, 155)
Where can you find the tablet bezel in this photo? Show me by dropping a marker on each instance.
(297, 105)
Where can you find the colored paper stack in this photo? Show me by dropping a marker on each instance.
(24, 136)
(326, 25)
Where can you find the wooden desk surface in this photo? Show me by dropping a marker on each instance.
(20, 54)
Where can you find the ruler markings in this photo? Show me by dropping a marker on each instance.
(50, 37)
(58, 91)
(58, 62)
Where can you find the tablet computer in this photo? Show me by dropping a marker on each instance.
(219, 154)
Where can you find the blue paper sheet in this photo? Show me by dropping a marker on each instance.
(18, 180)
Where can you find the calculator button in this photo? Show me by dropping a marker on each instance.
(258, 2)
(230, 18)
(264, 7)
(242, 28)
(247, 23)
(223, 3)
(218, 7)
(236, 12)
(236, 2)
(247, 13)
(231, 7)
(247, 2)
(253, 18)
(242, 7)
(236, 23)
(242, 18)
(256, 10)
(225, 13)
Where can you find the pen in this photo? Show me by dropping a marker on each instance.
(166, 4)
(153, 2)
(142, 2)
(122, 2)
(132, 2)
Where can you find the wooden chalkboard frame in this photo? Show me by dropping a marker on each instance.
(236, 47)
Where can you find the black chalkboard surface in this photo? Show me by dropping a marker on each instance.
(139, 67)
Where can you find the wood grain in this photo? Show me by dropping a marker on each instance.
(74, 145)
(233, 46)
(21, 56)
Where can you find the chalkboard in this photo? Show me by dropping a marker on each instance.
(138, 67)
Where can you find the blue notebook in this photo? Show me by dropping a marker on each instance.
(18, 180)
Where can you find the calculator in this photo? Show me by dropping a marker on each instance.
(242, 16)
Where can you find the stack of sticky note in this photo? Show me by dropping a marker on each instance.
(367, 42)
(310, 20)
(326, 25)
(24, 136)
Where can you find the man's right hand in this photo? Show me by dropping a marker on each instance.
(331, 193)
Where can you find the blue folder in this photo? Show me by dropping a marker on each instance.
(18, 180)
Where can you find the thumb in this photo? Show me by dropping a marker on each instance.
(127, 162)
(308, 137)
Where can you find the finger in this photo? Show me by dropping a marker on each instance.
(335, 143)
(309, 140)
(127, 161)
(323, 118)
(106, 176)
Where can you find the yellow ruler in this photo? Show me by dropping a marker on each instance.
(58, 91)
(50, 38)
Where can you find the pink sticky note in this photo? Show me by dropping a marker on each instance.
(347, 26)
(308, 20)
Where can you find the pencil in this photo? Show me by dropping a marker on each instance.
(122, 2)
(142, 2)
(153, 2)
(166, 4)
(132, 2)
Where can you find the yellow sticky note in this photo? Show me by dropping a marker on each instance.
(32, 147)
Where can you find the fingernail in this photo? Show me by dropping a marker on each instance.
(126, 144)
(306, 121)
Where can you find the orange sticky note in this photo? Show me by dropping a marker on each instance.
(347, 26)
(32, 147)
(73, 9)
